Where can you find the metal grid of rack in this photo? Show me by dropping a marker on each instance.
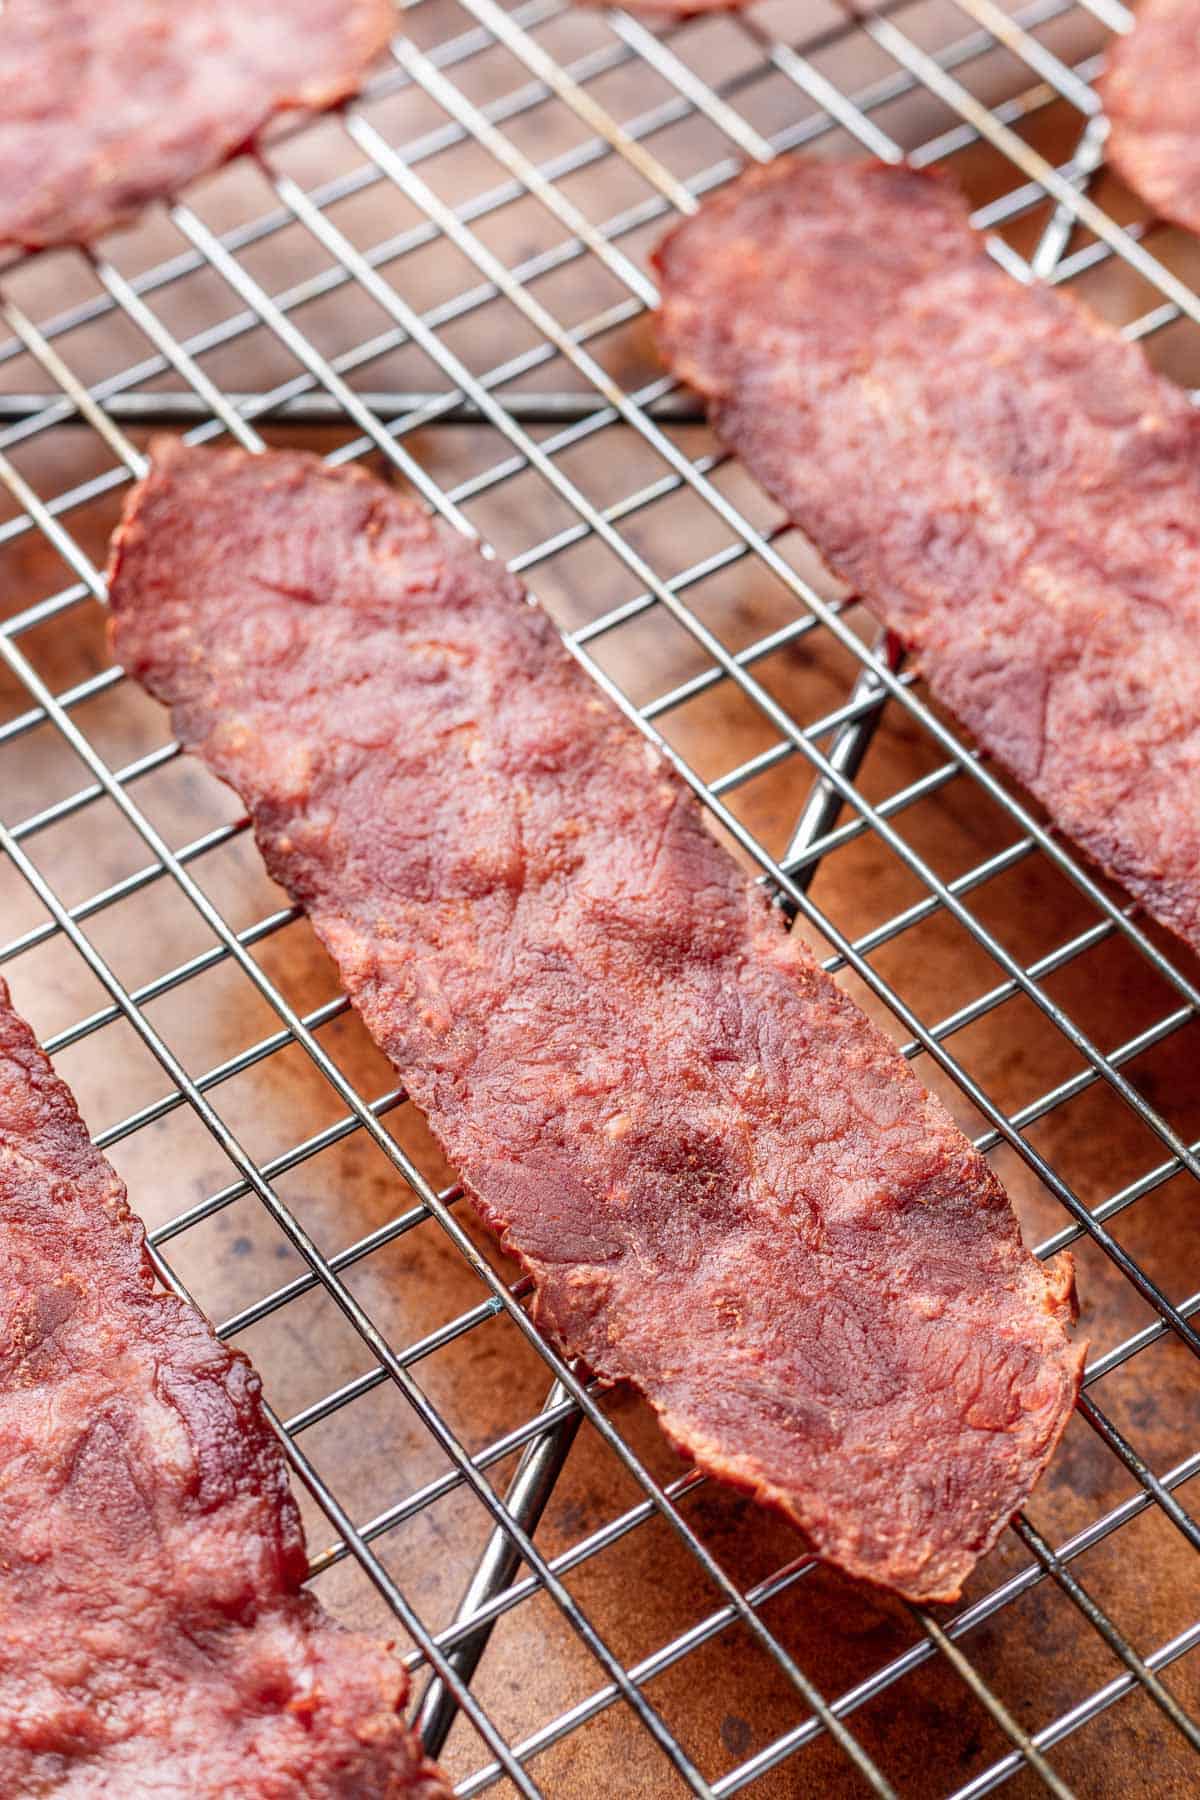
(489, 351)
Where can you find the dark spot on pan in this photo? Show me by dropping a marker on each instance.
(735, 1735)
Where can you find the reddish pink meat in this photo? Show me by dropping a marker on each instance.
(1003, 478)
(107, 106)
(726, 1183)
(154, 1636)
(1151, 93)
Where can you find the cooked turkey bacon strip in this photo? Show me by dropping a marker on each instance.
(1005, 480)
(154, 1635)
(1152, 97)
(727, 1185)
(107, 106)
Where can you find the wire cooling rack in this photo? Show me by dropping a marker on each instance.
(450, 279)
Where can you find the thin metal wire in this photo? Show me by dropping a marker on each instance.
(1028, 1751)
(1095, 1615)
(526, 1498)
(320, 393)
(150, 411)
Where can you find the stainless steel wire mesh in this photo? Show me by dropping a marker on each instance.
(450, 279)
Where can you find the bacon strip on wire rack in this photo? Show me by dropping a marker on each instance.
(1007, 483)
(154, 1634)
(726, 1183)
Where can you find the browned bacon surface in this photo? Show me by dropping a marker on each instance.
(1006, 481)
(154, 1637)
(105, 107)
(1151, 93)
(726, 1183)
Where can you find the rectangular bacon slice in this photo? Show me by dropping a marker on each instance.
(154, 1636)
(106, 107)
(726, 1183)
(1005, 480)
